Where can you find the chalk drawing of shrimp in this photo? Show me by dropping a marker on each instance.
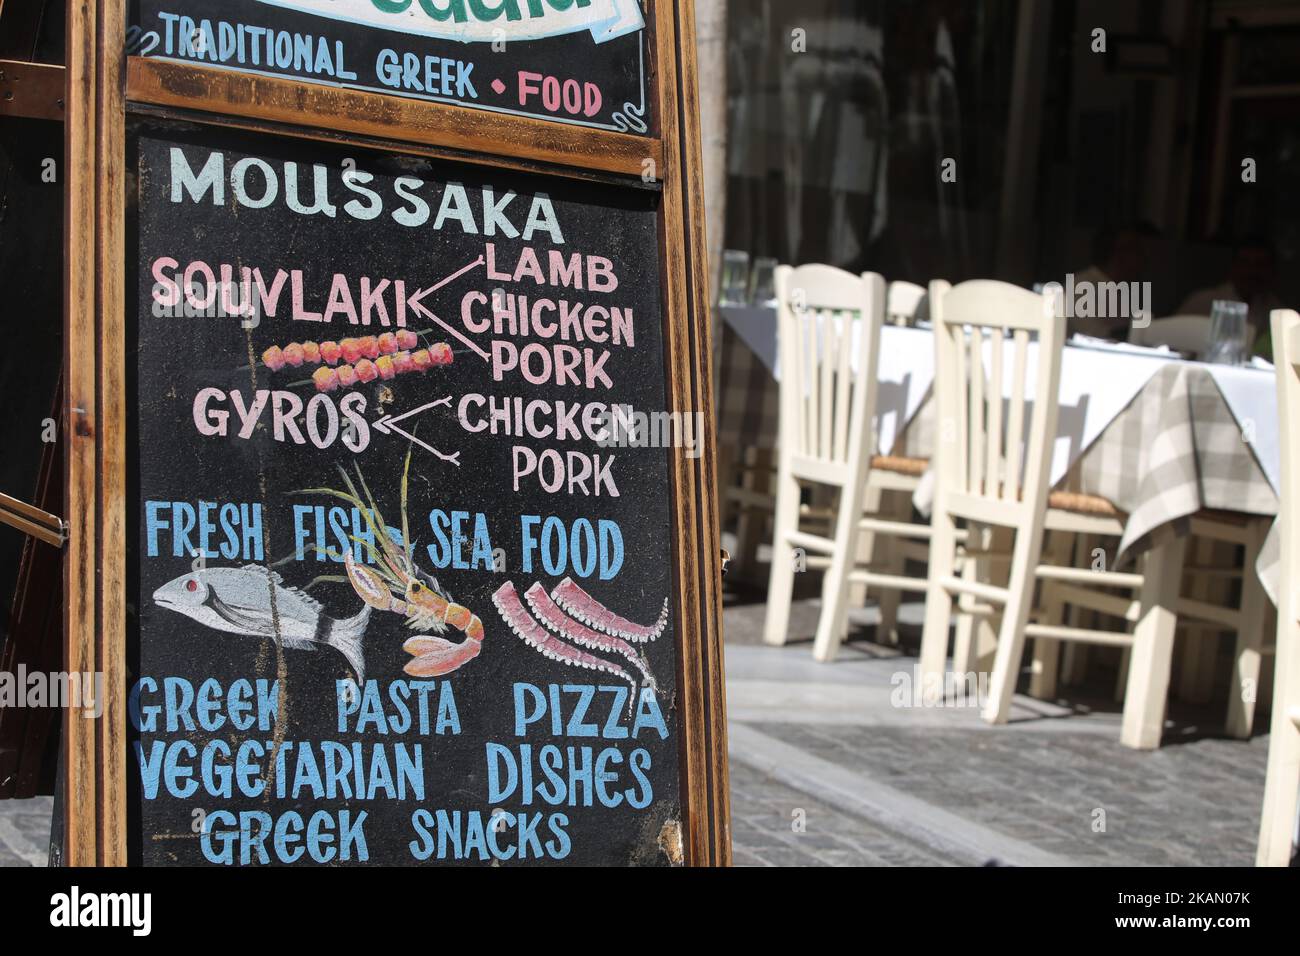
(424, 604)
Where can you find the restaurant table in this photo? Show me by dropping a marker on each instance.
(1159, 437)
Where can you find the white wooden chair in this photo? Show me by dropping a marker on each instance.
(1183, 333)
(979, 477)
(978, 469)
(749, 474)
(1196, 611)
(827, 410)
(1282, 785)
(891, 484)
(903, 301)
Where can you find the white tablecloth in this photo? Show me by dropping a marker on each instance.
(1097, 383)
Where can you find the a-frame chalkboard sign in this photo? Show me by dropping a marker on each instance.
(392, 518)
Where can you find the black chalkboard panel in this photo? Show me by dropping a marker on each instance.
(573, 61)
(320, 676)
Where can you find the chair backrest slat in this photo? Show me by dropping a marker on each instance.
(828, 374)
(954, 424)
(808, 338)
(794, 370)
(977, 407)
(985, 460)
(843, 390)
(1016, 410)
(993, 454)
(826, 367)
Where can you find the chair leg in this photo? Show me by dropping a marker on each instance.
(973, 569)
(1047, 654)
(1011, 636)
(975, 639)
(833, 623)
(1200, 649)
(994, 571)
(938, 607)
(1074, 656)
(986, 643)
(1045, 666)
(1074, 662)
(780, 586)
(1121, 675)
(866, 544)
(1281, 786)
(1243, 691)
(1153, 645)
(1281, 800)
(741, 478)
(752, 521)
(726, 475)
(1197, 653)
(887, 631)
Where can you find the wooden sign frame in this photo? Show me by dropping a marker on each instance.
(102, 86)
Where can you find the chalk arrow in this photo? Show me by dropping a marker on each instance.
(452, 330)
(417, 299)
(386, 426)
(416, 302)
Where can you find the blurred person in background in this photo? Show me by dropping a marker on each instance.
(1252, 278)
(1119, 254)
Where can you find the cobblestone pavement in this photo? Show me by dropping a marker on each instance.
(25, 831)
(777, 825)
(887, 784)
(1183, 806)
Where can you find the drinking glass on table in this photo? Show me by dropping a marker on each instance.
(735, 277)
(1227, 333)
(762, 283)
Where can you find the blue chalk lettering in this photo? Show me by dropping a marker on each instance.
(497, 757)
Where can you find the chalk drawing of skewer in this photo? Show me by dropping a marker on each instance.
(386, 426)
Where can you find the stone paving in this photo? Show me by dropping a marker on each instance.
(1053, 787)
(1184, 806)
(25, 831)
(778, 825)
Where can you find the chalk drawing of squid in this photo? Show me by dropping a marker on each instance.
(587, 624)
(423, 602)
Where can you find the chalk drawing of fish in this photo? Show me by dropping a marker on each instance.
(238, 601)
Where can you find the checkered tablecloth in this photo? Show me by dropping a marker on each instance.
(1174, 450)
(748, 397)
